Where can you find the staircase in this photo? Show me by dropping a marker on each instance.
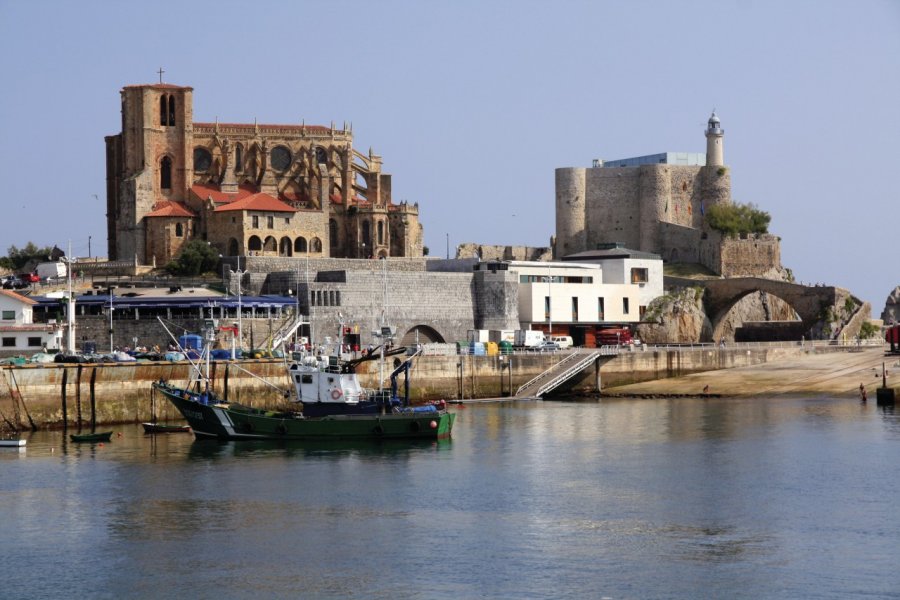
(286, 331)
(562, 371)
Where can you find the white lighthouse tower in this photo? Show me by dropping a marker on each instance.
(715, 151)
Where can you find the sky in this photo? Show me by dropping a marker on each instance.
(473, 105)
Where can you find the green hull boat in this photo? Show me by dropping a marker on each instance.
(100, 436)
(210, 418)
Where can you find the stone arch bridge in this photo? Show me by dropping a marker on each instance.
(809, 302)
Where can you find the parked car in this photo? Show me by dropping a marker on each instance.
(29, 277)
(547, 347)
(13, 283)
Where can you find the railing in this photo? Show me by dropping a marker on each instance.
(559, 373)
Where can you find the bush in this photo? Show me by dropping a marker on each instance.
(196, 257)
(735, 219)
(869, 330)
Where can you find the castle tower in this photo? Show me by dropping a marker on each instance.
(570, 211)
(715, 152)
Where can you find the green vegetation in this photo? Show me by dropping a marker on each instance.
(425, 250)
(721, 171)
(688, 271)
(195, 258)
(849, 305)
(17, 258)
(869, 330)
(735, 219)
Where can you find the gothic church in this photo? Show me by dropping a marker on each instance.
(246, 189)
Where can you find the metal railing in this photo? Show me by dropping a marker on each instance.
(559, 373)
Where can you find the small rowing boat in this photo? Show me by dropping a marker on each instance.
(100, 436)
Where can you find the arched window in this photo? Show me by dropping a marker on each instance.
(366, 234)
(238, 158)
(179, 230)
(315, 245)
(171, 111)
(332, 233)
(270, 245)
(165, 173)
(233, 247)
(163, 110)
(254, 244)
(300, 244)
(284, 247)
(380, 233)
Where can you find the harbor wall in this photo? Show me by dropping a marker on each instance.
(54, 394)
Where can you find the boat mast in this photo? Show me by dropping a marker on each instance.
(70, 306)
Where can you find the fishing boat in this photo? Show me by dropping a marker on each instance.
(330, 402)
(99, 436)
(164, 428)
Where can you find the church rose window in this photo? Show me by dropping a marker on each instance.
(281, 158)
(202, 160)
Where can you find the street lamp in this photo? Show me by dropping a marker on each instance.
(110, 290)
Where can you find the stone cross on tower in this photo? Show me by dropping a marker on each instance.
(160, 74)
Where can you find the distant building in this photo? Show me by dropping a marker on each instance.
(246, 188)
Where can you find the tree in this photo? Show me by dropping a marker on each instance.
(734, 219)
(196, 257)
(17, 258)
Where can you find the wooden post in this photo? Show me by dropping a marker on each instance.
(63, 394)
(93, 400)
(225, 397)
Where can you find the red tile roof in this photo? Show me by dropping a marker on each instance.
(262, 202)
(203, 191)
(18, 297)
(168, 208)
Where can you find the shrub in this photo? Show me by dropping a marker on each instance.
(735, 219)
(196, 257)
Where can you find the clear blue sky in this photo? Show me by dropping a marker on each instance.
(474, 104)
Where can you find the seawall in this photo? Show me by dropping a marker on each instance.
(54, 394)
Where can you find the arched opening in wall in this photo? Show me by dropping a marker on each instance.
(286, 247)
(366, 234)
(270, 245)
(315, 245)
(238, 158)
(332, 234)
(382, 254)
(380, 233)
(756, 315)
(360, 186)
(421, 334)
(165, 173)
(232, 247)
(254, 244)
(163, 111)
(171, 111)
(321, 156)
(300, 245)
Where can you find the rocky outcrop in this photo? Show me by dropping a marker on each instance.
(891, 313)
(677, 316)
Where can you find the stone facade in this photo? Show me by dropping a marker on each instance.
(488, 252)
(303, 188)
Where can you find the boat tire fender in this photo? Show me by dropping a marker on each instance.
(335, 394)
(281, 429)
(414, 426)
(378, 430)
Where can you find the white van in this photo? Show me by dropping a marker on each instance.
(564, 341)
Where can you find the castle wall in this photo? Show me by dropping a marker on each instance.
(486, 252)
(680, 243)
(612, 207)
(753, 256)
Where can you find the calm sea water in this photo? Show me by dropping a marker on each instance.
(721, 498)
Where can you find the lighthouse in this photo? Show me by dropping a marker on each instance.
(715, 152)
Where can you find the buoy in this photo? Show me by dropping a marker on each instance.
(433, 424)
(335, 394)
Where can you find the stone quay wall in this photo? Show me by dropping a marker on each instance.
(121, 393)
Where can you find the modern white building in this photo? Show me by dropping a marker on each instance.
(585, 293)
(18, 332)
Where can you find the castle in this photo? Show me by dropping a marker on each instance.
(246, 189)
(657, 204)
